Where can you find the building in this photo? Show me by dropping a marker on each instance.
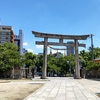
(24, 50)
(6, 34)
(40, 54)
(70, 49)
(18, 41)
(57, 55)
(50, 52)
(64, 53)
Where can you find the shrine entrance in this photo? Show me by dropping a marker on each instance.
(60, 43)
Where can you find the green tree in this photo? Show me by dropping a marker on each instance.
(87, 56)
(51, 64)
(39, 63)
(9, 57)
(84, 55)
(67, 63)
(96, 52)
(30, 59)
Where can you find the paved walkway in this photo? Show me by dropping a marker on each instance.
(64, 88)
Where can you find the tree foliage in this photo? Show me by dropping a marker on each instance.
(86, 57)
(30, 59)
(92, 65)
(51, 64)
(39, 63)
(9, 57)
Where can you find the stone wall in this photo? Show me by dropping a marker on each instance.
(93, 74)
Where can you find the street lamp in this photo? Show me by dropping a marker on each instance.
(69, 66)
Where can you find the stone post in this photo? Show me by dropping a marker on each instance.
(13, 76)
(30, 72)
(44, 67)
(24, 72)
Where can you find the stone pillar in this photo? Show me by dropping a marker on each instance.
(13, 76)
(44, 67)
(21, 75)
(30, 72)
(22, 72)
(77, 67)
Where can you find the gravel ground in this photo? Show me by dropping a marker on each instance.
(16, 91)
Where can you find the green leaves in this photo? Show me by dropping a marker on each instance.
(51, 64)
(29, 59)
(60, 64)
(39, 62)
(9, 57)
(92, 65)
(86, 58)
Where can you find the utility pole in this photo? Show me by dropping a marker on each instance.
(92, 46)
(0, 21)
(70, 60)
(70, 64)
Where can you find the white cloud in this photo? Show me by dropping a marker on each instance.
(39, 46)
(25, 44)
(30, 50)
(36, 53)
(55, 51)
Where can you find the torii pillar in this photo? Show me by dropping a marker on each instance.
(77, 67)
(44, 67)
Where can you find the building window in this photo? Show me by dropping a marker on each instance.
(7, 33)
(7, 38)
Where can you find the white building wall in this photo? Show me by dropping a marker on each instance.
(18, 40)
(16, 43)
(21, 41)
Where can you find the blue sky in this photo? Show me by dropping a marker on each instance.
(71, 17)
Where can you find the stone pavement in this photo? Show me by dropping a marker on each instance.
(67, 88)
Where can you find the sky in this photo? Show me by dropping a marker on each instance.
(68, 17)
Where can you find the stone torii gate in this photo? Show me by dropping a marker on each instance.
(60, 43)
